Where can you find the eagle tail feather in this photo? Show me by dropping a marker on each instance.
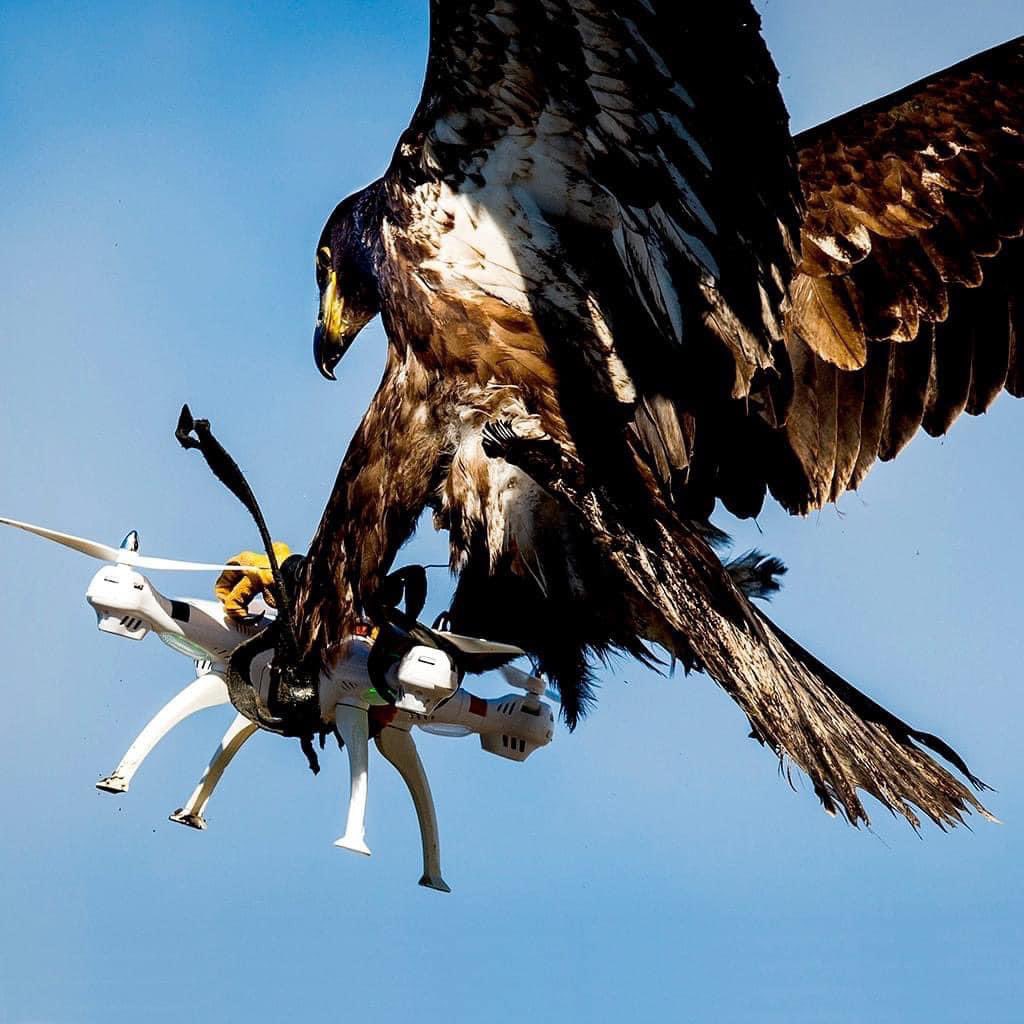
(841, 738)
(756, 574)
(798, 707)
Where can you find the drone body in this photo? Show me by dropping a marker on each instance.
(424, 687)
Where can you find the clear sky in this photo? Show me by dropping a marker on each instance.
(165, 173)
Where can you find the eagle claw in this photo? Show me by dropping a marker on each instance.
(498, 438)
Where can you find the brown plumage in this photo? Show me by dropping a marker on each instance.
(616, 292)
(915, 208)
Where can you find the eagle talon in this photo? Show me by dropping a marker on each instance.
(540, 458)
(497, 439)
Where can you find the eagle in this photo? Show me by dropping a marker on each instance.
(616, 292)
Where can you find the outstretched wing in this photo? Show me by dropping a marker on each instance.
(652, 147)
(908, 305)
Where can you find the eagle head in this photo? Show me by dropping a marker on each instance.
(346, 277)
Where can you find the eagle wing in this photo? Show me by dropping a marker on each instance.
(908, 304)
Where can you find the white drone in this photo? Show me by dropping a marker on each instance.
(424, 682)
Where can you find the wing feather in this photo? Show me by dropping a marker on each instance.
(989, 332)
(873, 415)
(911, 277)
(1015, 374)
(950, 383)
(907, 391)
(850, 396)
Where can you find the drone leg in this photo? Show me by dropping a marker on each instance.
(353, 726)
(238, 732)
(398, 747)
(205, 692)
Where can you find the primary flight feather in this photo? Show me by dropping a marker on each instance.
(615, 291)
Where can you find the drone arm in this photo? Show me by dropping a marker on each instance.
(354, 729)
(399, 749)
(205, 692)
(238, 732)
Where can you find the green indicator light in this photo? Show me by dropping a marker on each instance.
(186, 647)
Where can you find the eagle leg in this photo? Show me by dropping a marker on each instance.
(388, 476)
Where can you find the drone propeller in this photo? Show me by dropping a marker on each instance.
(128, 554)
(524, 681)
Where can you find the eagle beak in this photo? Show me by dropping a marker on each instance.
(329, 338)
(327, 351)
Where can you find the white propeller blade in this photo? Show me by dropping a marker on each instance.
(145, 562)
(104, 552)
(524, 681)
(474, 645)
(122, 556)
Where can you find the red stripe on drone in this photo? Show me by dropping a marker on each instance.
(477, 706)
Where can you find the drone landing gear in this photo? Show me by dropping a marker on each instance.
(354, 729)
(398, 747)
(192, 813)
(205, 692)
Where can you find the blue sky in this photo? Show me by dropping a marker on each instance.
(166, 170)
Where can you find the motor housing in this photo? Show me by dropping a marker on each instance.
(122, 602)
(422, 679)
